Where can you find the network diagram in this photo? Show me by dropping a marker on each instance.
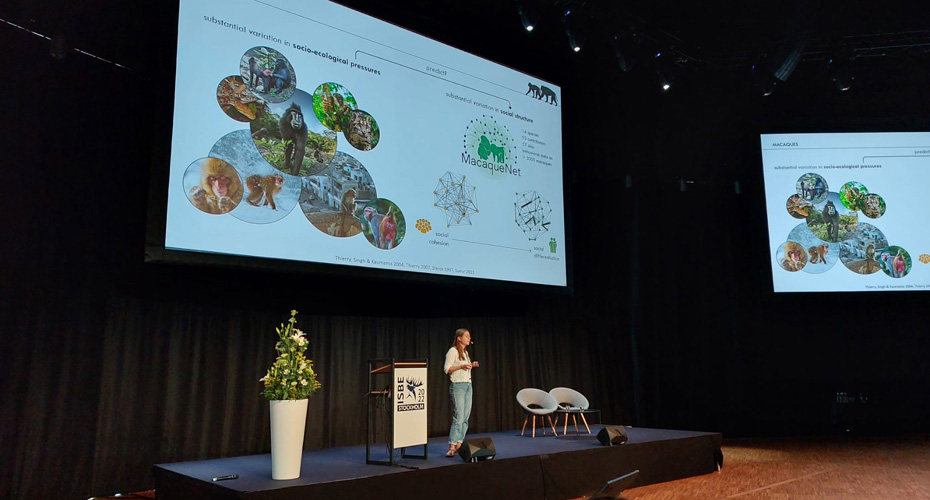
(456, 198)
(531, 213)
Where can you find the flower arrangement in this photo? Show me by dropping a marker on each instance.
(291, 376)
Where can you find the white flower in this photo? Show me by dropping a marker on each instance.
(287, 371)
(299, 337)
(303, 382)
(263, 378)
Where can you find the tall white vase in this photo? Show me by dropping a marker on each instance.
(288, 420)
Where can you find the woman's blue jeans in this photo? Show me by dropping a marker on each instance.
(460, 393)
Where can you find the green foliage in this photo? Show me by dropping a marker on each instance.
(264, 57)
(291, 376)
(321, 142)
(819, 228)
(273, 151)
(332, 115)
(269, 122)
(319, 111)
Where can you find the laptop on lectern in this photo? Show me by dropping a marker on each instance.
(613, 488)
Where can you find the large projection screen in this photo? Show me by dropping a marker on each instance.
(305, 131)
(848, 211)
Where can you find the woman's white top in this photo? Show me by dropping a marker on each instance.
(452, 359)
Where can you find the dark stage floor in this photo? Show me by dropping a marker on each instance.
(542, 467)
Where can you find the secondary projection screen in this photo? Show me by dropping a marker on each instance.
(848, 211)
(306, 131)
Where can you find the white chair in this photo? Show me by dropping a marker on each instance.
(537, 403)
(571, 402)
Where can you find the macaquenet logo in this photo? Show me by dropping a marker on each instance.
(784, 144)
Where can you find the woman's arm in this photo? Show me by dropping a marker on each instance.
(450, 358)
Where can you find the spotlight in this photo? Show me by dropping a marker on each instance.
(778, 63)
(761, 78)
(665, 70)
(766, 88)
(574, 29)
(623, 48)
(840, 67)
(529, 16)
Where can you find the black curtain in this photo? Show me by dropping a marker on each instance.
(100, 390)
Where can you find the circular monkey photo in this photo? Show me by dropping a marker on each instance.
(332, 199)
(291, 139)
(812, 188)
(268, 74)
(860, 252)
(821, 256)
(212, 185)
(873, 206)
(383, 223)
(831, 221)
(797, 207)
(851, 195)
(363, 133)
(269, 195)
(895, 261)
(333, 105)
(791, 256)
(237, 101)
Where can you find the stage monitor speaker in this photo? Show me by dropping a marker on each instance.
(612, 434)
(473, 450)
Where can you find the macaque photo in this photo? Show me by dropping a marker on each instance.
(268, 195)
(333, 105)
(791, 256)
(291, 139)
(333, 200)
(213, 186)
(263, 188)
(383, 224)
(818, 253)
(268, 73)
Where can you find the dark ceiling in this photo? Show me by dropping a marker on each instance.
(710, 33)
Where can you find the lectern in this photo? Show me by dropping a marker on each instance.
(402, 386)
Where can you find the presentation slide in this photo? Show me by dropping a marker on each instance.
(848, 212)
(305, 131)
